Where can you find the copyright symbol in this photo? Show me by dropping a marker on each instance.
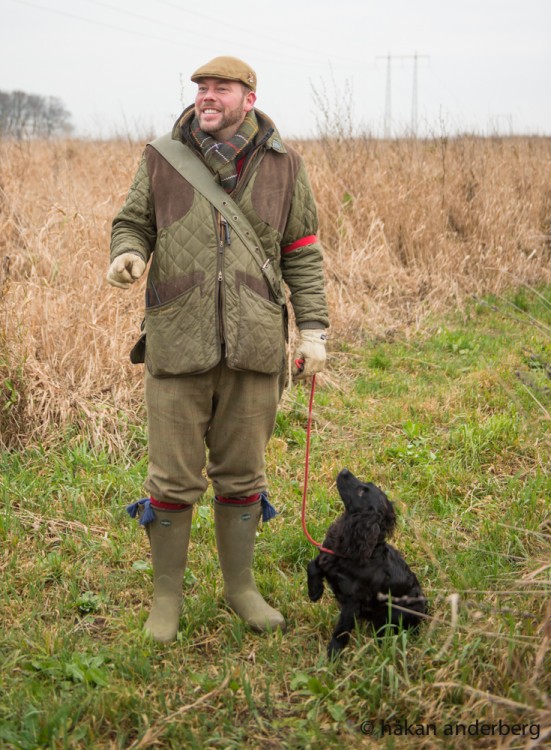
(367, 727)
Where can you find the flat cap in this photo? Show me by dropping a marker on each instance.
(229, 68)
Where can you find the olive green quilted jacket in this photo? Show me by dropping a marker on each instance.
(205, 294)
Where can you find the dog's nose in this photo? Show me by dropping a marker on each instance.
(344, 473)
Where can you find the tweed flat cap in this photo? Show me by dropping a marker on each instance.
(229, 68)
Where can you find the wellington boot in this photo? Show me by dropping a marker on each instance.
(169, 539)
(235, 527)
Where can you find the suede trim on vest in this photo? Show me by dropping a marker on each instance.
(257, 285)
(163, 291)
(172, 194)
(273, 187)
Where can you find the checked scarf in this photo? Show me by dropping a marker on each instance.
(222, 156)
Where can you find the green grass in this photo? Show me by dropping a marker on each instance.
(453, 423)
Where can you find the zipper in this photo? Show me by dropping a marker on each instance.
(224, 240)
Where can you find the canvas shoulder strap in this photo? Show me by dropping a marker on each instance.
(195, 171)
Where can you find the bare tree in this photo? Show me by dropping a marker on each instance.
(32, 116)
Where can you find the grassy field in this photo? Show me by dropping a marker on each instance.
(452, 422)
(437, 389)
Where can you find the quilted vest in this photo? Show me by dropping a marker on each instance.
(205, 293)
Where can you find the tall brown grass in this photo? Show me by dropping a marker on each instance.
(412, 227)
(409, 228)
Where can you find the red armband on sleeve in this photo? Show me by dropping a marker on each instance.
(309, 240)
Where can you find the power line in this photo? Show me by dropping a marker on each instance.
(93, 21)
(206, 35)
(159, 22)
(278, 42)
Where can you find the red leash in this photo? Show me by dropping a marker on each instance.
(307, 468)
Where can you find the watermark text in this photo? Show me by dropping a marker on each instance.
(477, 728)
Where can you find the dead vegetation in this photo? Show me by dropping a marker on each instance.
(409, 228)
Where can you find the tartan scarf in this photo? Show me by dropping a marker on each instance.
(222, 156)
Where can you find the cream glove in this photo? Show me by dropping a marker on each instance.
(125, 269)
(310, 353)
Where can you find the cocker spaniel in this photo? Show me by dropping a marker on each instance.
(369, 577)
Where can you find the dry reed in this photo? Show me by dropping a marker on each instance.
(413, 227)
(409, 228)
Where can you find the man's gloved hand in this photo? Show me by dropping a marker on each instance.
(125, 269)
(310, 353)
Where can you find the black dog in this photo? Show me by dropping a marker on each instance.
(367, 575)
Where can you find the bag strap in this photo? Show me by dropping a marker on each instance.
(195, 171)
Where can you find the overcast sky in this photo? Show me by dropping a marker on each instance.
(123, 66)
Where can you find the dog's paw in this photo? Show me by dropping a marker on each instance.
(334, 649)
(315, 582)
(315, 592)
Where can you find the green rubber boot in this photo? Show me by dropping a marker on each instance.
(235, 527)
(169, 537)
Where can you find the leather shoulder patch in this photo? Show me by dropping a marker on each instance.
(172, 194)
(274, 186)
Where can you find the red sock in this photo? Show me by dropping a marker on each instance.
(238, 500)
(159, 505)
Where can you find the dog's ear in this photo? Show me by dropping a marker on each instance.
(369, 541)
(360, 541)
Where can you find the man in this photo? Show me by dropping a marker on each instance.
(215, 324)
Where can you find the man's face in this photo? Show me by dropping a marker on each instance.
(221, 106)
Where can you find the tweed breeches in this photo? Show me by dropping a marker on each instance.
(211, 426)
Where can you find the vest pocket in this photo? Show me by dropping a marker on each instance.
(260, 341)
(175, 336)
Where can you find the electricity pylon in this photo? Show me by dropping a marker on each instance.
(388, 94)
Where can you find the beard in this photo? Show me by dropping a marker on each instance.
(226, 119)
